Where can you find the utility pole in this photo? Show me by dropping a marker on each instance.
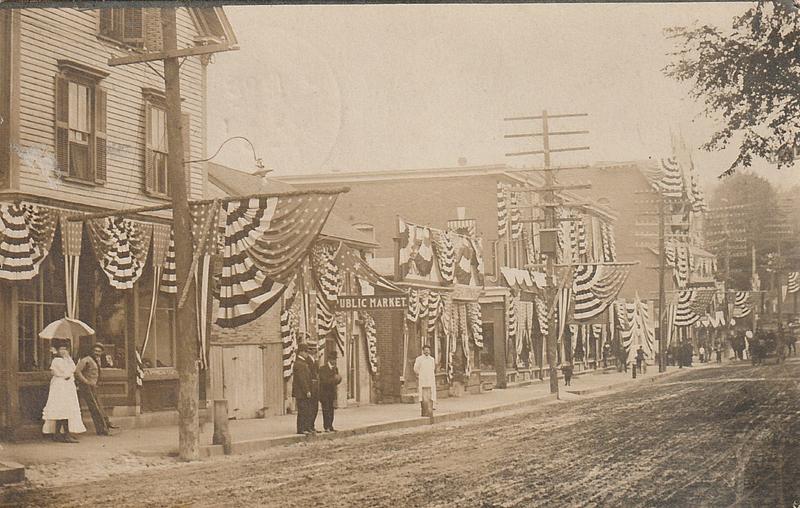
(186, 329)
(187, 353)
(662, 270)
(551, 221)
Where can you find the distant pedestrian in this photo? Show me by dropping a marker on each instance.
(304, 388)
(329, 378)
(567, 370)
(62, 413)
(425, 369)
(718, 353)
(702, 352)
(640, 360)
(606, 353)
(87, 375)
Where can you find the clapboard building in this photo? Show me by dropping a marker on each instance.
(78, 136)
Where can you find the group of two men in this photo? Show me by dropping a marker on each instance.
(312, 386)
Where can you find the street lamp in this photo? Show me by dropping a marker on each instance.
(259, 162)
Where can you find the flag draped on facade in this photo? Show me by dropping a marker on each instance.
(160, 240)
(169, 277)
(121, 246)
(595, 287)
(671, 182)
(26, 235)
(583, 250)
(516, 217)
(639, 330)
(348, 262)
(741, 306)
(265, 240)
(445, 255)
(609, 244)
(793, 285)
(502, 211)
(511, 318)
(288, 332)
(71, 245)
(475, 323)
(371, 337)
(205, 219)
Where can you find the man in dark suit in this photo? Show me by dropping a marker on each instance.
(329, 378)
(304, 390)
(88, 375)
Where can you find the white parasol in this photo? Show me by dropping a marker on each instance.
(66, 328)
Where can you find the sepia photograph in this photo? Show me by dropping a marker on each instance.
(362, 254)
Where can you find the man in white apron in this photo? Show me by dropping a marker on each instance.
(425, 369)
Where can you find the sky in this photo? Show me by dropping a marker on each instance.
(359, 87)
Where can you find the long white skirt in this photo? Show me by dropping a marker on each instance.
(62, 404)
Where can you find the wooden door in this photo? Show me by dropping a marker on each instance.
(272, 369)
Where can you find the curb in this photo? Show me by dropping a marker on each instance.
(254, 445)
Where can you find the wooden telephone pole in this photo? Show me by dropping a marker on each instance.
(187, 353)
(551, 220)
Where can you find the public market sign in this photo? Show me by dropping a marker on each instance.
(372, 302)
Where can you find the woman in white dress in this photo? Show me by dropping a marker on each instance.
(62, 413)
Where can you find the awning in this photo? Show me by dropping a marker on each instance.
(524, 280)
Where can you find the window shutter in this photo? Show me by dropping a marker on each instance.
(62, 124)
(106, 22)
(100, 138)
(149, 172)
(186, 131)
(132, 26)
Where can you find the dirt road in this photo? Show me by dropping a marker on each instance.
(713, 437)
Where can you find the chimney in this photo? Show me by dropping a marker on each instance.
(461, 213)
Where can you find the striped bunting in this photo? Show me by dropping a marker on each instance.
(741, 306)
(26, 235)
(530, 248)
(422, 304)
(371, 336)
(516, 218)
(452, 338)
(682, 264)
(640, 330)
(435, 308)
(463, 333)
(326, 270)
(265, 240)
(684, 313)
(412, 312)
(511, 316)
(609, 244)
(475, 323)
(595, 287)
(793, 283)
(671, 182)
(583, 250)
(541, 315)
(121, 245)
(445, 255)
(169, 278)
(502, 211)
(288, 333)
(573, 240)
(698, 198)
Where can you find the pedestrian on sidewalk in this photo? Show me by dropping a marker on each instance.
(606, 353)
(62, 413)
(640, 363)
(718, 353)
(567, 369)
(425, 369)
(702, 352)
(329, 378)
(304, 391)
(87, 376)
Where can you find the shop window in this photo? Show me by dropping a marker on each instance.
(110, 319)
(40, 302)
(160, 350)
(80, 125)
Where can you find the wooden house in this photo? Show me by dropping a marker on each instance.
(77, 135)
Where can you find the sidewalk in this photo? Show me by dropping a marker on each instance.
(258, 434)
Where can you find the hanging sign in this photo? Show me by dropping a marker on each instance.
(358, 302)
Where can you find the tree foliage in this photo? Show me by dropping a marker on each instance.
(747, 77)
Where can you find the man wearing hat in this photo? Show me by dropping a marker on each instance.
(87, 374)
(304, 390)
(329, 378)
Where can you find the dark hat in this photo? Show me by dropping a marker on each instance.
(100, 345)
(302, 347)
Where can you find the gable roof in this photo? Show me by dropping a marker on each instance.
(233, 182)
(213, 26)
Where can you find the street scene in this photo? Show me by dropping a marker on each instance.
(399, 255)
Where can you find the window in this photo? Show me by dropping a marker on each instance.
(40, 304)
(80, 123)
(160, 350)
(156, 171)
(125, 26)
